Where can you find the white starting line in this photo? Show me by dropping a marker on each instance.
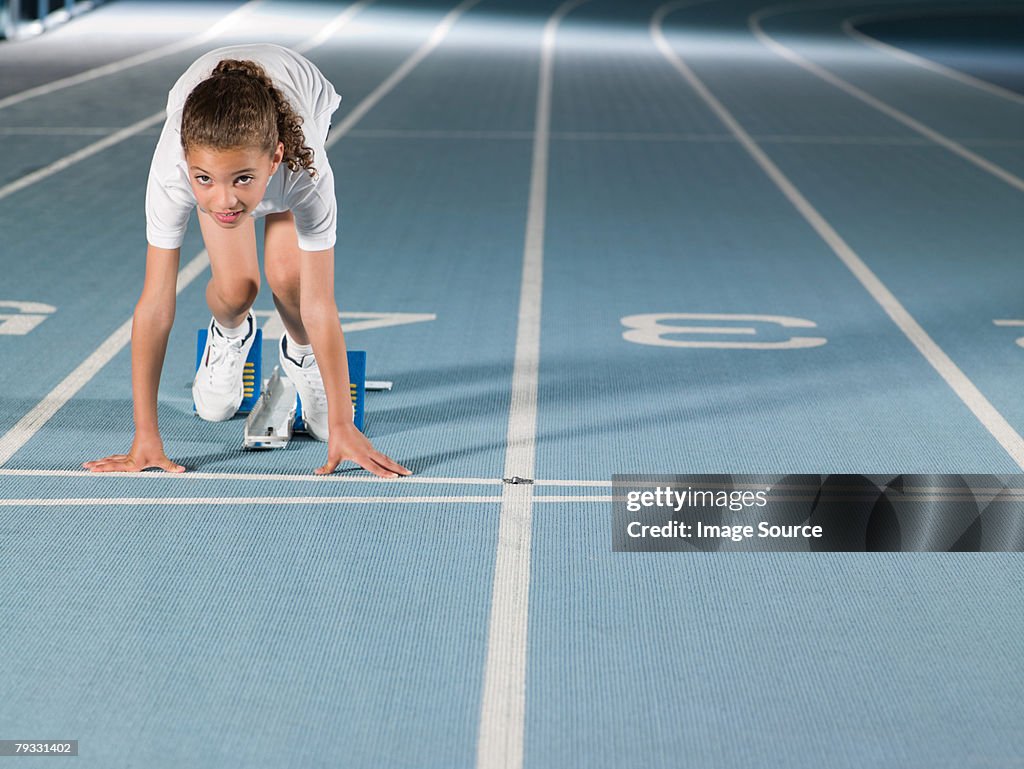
(293, 478)
(275, 501)
(264, 501)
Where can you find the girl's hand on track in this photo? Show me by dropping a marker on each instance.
(143, 455)
(348, 443)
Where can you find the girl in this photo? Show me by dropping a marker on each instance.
(245, 138)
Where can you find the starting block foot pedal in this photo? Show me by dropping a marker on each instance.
(252, 374)
(357, 391)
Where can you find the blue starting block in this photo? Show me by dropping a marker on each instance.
(356, 386)
(252, 374)
(286, 417)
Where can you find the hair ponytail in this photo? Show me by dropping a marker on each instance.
(239, 106)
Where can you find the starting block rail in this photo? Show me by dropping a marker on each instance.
(271, 422)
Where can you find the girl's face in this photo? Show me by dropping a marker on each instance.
(229, 184)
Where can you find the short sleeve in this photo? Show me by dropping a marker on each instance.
(169, 199)
(315, 208)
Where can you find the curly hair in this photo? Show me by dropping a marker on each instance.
(239, 106)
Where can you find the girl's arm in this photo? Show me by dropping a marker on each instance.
(151, 325)
(320, 319)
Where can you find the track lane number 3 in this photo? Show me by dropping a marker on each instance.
(692, 329)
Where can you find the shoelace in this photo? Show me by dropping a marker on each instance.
(311, 375)
(227, 352)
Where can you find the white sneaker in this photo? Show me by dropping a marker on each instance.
(305, 375)
(218, 389)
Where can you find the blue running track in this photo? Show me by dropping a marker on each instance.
(581, 238)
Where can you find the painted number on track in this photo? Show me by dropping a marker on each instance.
(1012, 323)
(25, 316)
(654, 329)
(273, 328)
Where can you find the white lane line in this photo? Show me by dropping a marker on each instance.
(503, 703)
(850, 27)
(33, 421)
(157, 117)
(574, 136)
(640, 136)
(133, 61)
(332, 27)
(572, 500)
(754, 23)
(407, 66)
(290, 478)
(972, 397)
(76, 157)
(43, 411)
(247, 501)
(889, 141)
(412, 133)
(923, 494)
(57, 131)
(274, 501)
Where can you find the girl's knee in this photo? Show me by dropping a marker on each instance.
(282, 275)
(237, 293)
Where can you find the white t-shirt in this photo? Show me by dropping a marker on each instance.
(169, 198)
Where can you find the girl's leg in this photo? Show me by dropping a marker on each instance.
(281, 264)
(218, 388)
(235, 268)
